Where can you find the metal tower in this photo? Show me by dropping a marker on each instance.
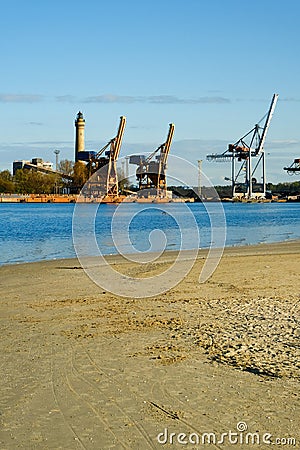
(247, 158)
(56, 152)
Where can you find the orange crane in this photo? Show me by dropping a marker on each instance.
(103, 165)
(151, 172)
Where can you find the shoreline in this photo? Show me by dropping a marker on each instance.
(290, 246)
(77, 198)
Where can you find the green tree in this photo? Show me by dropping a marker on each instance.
(66, 166)
(30, 182)
(122, 181)
(6, 182)
(81, 174)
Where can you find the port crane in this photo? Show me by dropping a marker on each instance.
(241, 154)
(151, 171)
(102, 166)
(294, 167)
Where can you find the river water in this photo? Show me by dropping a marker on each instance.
(35, 232)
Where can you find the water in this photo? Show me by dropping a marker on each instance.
(34, 232)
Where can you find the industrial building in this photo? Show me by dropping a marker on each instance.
(35, 163)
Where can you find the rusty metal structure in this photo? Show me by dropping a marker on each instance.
(102, 166)
(151, 170)
(106, 160)
(294, 167)
(242, 156)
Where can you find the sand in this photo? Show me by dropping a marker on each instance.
(82, 368)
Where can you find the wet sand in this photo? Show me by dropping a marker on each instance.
(82, 368)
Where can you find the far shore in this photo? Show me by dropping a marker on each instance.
(74, 198)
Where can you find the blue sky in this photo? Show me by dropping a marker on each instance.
(209, 67)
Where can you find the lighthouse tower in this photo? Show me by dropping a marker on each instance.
(79, 137)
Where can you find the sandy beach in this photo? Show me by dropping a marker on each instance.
(82, 368)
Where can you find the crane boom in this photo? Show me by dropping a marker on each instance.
(116, 142)
(118, 139)
(267, 124)
(166, 147)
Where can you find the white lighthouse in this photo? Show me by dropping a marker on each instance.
(79, 137)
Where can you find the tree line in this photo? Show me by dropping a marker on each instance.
(283, 190)
(27, 181)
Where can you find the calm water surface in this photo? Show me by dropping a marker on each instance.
(34, 232)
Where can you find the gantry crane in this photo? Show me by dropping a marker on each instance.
(294, 167)
(151, 173)
(102, 166)
(241, 153)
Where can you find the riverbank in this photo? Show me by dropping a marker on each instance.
(73, 198)
(38, 198)
(82, 368)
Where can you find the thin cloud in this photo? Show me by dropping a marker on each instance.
(40, 144)
(139, 127)
(279, 143)
(20, 98)
(66, 98)
(260, 100)
(108, 98)
(290, 99)
(156, 99)
(48, 143)
(172, 99)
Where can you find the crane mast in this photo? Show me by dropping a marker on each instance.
(164, 153)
